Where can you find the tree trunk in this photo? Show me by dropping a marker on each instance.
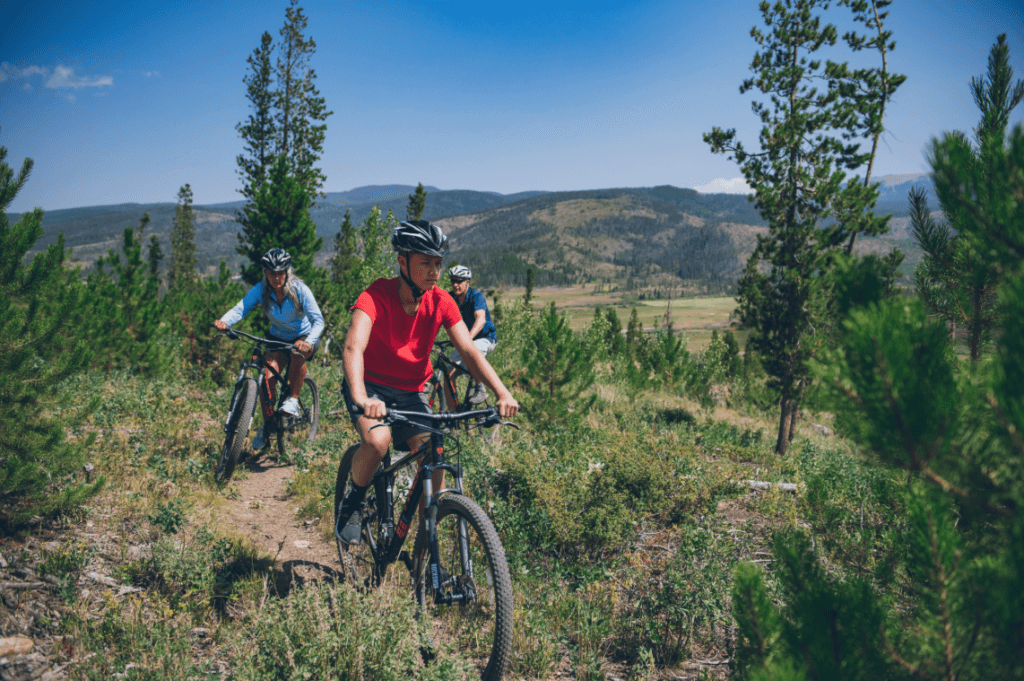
(785, 423)
(796, 409)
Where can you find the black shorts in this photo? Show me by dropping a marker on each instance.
(303, 337)
(394, 398)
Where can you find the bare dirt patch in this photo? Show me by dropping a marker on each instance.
(264, 511)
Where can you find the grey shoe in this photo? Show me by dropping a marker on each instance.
(479, 395)
(351, 533)
(261, 440)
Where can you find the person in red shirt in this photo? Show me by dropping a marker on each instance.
(387, 358)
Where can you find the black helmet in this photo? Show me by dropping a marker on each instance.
(276, 260)
(419, 236)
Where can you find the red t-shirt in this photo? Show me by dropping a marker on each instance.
(398, 352)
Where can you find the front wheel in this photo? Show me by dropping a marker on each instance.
(293, 431)
(243, 403)
(474, 573)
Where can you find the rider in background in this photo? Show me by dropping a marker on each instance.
(387, 359)
(294, 318)
(473, 307)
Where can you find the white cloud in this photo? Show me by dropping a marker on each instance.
(28, 86)
(64, 77)
(720, 185)
(147, 74)
(9, 71)
(68, 96)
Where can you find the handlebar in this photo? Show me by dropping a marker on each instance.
(233, 334)
(485, 417)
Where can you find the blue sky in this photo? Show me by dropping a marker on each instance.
(122, 101)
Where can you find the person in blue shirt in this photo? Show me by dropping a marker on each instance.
(477, 317)
(294, 318)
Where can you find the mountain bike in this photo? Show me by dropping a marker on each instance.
(285, 427)
(448, 372)
(459, 573)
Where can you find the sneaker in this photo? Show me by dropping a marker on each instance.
(261, 439)
(479, 394)
(291, 407)
(351, 532)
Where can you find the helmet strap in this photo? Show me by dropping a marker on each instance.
(417, 292)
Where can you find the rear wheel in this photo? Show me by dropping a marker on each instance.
(292, 431)
(359, 561)
(474, 571)
(243, 402)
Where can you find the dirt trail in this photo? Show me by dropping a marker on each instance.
(264, 511)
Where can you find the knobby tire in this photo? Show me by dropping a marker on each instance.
(243, 403)
(309, 400)
(482, 628)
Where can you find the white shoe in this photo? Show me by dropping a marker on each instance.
(479, 394)
(291, 407)
(260, 441)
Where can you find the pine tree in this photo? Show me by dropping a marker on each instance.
(899, 392)
(40, 307)
(182, 274)
(286, 124)
(528, 296)
(958, 277)
(279, 217)
(798, 181)
(378, 258)
(125, 313)
(417, 203)
(154, 256)
(300, 110)
(345, 264)
(558, 370)
(259, 132)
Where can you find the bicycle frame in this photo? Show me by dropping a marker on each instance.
(259, 363)
(394, 536)
(445, 366)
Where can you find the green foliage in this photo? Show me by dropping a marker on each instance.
(417, 203)
(278, 217)
(948, 604)
(284, 138)
(960, 275)
(41, 305)
(169, 517)
(332, 632)
(798, 181)
(687, 598)
(557, 371)
(182, 273)
(124, 312)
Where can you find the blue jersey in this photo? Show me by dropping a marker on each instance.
(475, 301)
(286, 322)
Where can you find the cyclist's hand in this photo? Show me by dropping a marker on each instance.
(220, 326)
(303, 347)
(507, 405)
(372, 408)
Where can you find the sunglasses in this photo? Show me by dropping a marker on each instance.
(459, 281)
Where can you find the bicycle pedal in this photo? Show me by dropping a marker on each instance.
(406, 559)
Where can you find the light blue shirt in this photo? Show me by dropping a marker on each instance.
(286, 322)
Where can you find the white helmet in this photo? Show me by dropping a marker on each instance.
(460, 272)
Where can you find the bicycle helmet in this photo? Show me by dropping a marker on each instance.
(419, 236)
(276, 260)
(460, 272)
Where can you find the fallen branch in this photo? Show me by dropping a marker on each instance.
(757, 484)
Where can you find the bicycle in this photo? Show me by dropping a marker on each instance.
(459, 573)
(243, 405)
(446, 372)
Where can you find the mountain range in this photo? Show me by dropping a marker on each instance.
(565, 236)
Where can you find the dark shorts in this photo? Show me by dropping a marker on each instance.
(393, 398)
(303, 337)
